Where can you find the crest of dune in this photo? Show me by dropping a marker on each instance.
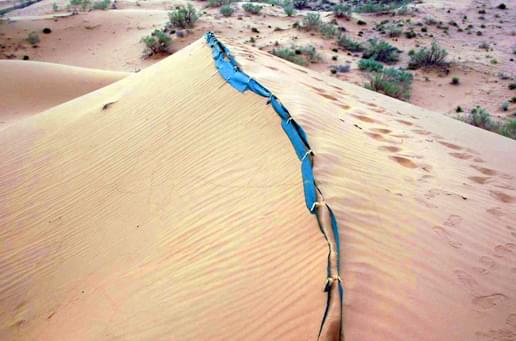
(169, 206)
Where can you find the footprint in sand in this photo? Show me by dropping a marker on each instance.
(487, 261)
(441, 232)
(391, 149)
(479, 179)
(496, 211)
(364, 118)
(407, 123)
(489, 301)
(501, 196)
(376, 136)
(461, 156)
(483, 170)
(502, 251)
(482, 271)
(511, 320)
(381, 130)
(453, 220)
(450, 145)
(404, 161)
(467, 280)
(421, 132)
(330, 97)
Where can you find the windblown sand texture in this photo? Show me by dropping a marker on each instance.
(168, 206)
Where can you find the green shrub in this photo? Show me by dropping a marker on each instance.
(252, 8)
(300, 4)
(183, 17)
(508, 129)
(55, 7)
(426, 57)
(479, 117)
(226, 10)
(103, 4)
(33, 38)
(512, 86)
(505, 106)
(310, 52)
(391, 82)
(381, 51)
(455, 81)
(328, 31)
(370, 65)
(342, 11)
(349, 44)
(373, 6)
(311, 21)
(290, 55)
(393, 30)
(157, 42)
(217, 3)
(288, 8)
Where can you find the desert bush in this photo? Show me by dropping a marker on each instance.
(102, 5)
(252, 8)
(290, 55)
(310, 52)
(479, 117)
(512, 86)
(226, 10)
(508, 129)
(157, 42)
(300, 4)
(33, 38)
(82, 4)
(455, 81)
(425, 57)
(505, 106)
(371, 6)
(328, 30)
(183, 17)
(391, 82)
(311, 21)
(381, 51)
(370, 65)
(349, 44)
(288, 8)
(217, 3)
(393, 30)
(342, 11)
(55, 7)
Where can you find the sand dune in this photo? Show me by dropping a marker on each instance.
(167, 206)
(30, 87)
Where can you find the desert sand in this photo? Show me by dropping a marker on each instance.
(29, 87)
(164, 205)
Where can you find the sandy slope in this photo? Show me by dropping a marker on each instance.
(177, 213)
(426, 204)
(30, 87)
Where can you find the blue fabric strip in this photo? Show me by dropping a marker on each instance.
(229, 70)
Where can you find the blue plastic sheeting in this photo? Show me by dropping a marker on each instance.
(229, 70)
(296, 140)
(309, 184)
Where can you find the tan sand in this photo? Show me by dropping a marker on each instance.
(167, 206)
(29, 87)
(426, 205)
